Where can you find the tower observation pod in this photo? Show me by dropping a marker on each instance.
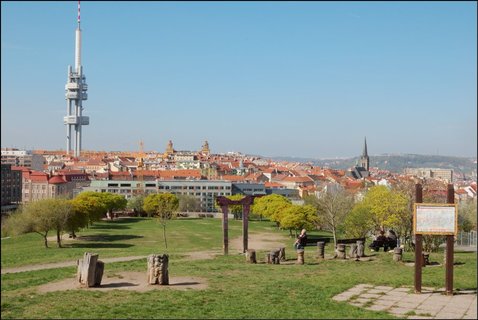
(75, 88)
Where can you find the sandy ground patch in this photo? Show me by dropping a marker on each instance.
(135, 281)
(201, 255)
(262, 241)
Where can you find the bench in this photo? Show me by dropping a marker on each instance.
(312, 240)
(351, 240)
(388, 244)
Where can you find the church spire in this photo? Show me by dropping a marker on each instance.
(364, 153)
(364, 159)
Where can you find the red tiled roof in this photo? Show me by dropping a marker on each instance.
(297, 179)
(37, 176)
(56, 180)
(273, 185)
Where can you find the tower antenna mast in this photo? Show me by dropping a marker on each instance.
(75, 88)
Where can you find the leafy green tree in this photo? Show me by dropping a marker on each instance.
(405, 228)
(43, 216)
(296, 217)
(389, 208)
(188, 203)
(113, 202)
(90, 207)
(164, 206)
(467, 216)
(271, 207)
(358, 222)
(334, 205)
(136, 204)
(63, 214)
(15, 223)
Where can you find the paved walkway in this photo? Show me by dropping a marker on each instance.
(403, 303)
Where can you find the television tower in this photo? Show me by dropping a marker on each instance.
(75, 93)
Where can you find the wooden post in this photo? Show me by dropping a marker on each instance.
(225, 243)
(418, 245)
(251, 256)
(282, 254)
(353, 251)
(89, 270)
(245, 222)
(300, 256)
(320, 249)
(449, 248)
(360, 249)
(158, 269)
(341, 251)
(397, 254)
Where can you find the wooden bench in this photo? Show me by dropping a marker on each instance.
(312, 240)
(351, 240)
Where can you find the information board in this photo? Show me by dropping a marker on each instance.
(435, 219)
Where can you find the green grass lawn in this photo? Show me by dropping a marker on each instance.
(235, 289)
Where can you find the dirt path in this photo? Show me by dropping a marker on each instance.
(263, 241)
(64, 264)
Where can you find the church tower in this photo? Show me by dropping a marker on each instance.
(364, 160)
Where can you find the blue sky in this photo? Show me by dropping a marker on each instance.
(304, 79)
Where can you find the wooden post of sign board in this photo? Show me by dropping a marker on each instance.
(449, 248)
(225, 243)
(418, 245)
(246, 207)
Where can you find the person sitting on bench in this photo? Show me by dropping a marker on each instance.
(380, 241)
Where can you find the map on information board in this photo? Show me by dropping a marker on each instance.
(438, 219)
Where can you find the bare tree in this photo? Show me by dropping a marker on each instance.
(334, 205)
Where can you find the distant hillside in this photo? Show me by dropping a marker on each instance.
(396, 163)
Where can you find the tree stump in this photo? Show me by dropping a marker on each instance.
(353, 251)
(300, 256)
(251, 256)
(89, 270)
(341, 251)
(282, 254)
(275, 256)
(158, 269)
(397, 254)
(268, 258)
(360, 249)
(321, 249)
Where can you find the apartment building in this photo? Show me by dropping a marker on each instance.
(11, 189)
(434, 173)
(23, 158)
(205, 191)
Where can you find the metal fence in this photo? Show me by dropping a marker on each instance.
(466, 239)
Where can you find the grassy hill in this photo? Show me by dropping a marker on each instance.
(397, 163)
(235, 289)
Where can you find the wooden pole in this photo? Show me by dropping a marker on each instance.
(418, 245)
(245, 225)
(225, 246)
(449, 248)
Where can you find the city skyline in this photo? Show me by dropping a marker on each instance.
(308, 80)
